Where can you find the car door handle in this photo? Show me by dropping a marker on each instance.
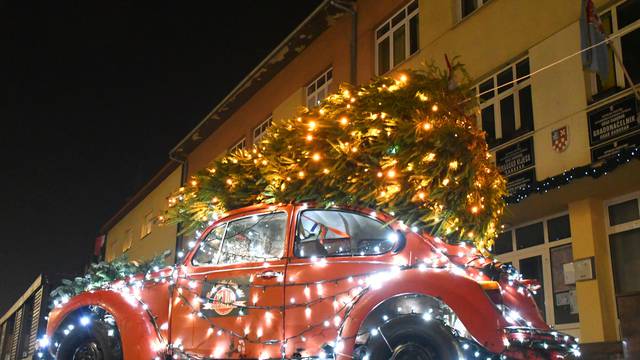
(266, 275)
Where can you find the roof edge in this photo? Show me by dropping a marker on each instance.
(247, 79)
(30, 290)
(145, 190)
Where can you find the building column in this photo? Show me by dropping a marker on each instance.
(596, 298)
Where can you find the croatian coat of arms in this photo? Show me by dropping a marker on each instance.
(560, 139)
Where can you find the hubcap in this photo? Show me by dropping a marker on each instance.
(88, 351)
(411, 351)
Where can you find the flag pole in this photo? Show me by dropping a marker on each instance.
(618, 58)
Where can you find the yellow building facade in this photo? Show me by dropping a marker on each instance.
(134, 231)
(543, 113)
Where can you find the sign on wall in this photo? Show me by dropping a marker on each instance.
(614, 147)
(516, 157)
(520, 180)
(517, 162)
(613, 120)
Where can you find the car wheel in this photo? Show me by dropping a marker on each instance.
(90, 343)
(411, 338)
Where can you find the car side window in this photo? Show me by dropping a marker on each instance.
(341, 233)
(209, 249)
(254, 238)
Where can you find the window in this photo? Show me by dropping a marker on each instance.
(238, 146)
(319, 88)
(531, 268)
(503, 244)
(625, 254)
(260, 130)
(530, 235)
(621, 17)
(624, 242)
(340, 233)
(209, 249)
(506, 108)
(254, 238)
(146, 226)
(623, 212)
(559, 228)
(128, 240)
(469, 6)
(540, 250)
(397, 38)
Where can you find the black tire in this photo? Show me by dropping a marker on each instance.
(412, 338)
(91, 342)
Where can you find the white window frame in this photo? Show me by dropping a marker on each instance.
(389, 34)
(478, 3)
(241, 144)
(615, 229)
(616, 43)
(260, 130)
(312, 99)
(497, 97)
(147, 225)
(543, 250)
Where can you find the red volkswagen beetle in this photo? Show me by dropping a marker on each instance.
(302, 282)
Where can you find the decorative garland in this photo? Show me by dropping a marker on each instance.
(408, 146)
(594, 170)
(363, 283)
(103, 274)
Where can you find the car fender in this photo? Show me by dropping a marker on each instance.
(463, 295)
(138, 334)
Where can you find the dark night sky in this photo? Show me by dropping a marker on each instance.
(94, 95)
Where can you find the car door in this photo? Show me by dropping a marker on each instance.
(230, 292)
(333, 251)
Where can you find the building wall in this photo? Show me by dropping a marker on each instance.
(329, 49)
(493, 36)
(24, 323)
(286, 91)
(161, 237)
(545, 31)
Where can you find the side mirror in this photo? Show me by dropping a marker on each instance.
(401, 242)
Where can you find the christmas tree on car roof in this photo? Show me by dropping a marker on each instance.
(407, 145)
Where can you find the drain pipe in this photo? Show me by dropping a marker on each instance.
(183, 180)
(350, 8)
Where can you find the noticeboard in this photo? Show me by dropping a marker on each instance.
(520, 181)
(613, 120)
(516, 157)
(614, 147)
